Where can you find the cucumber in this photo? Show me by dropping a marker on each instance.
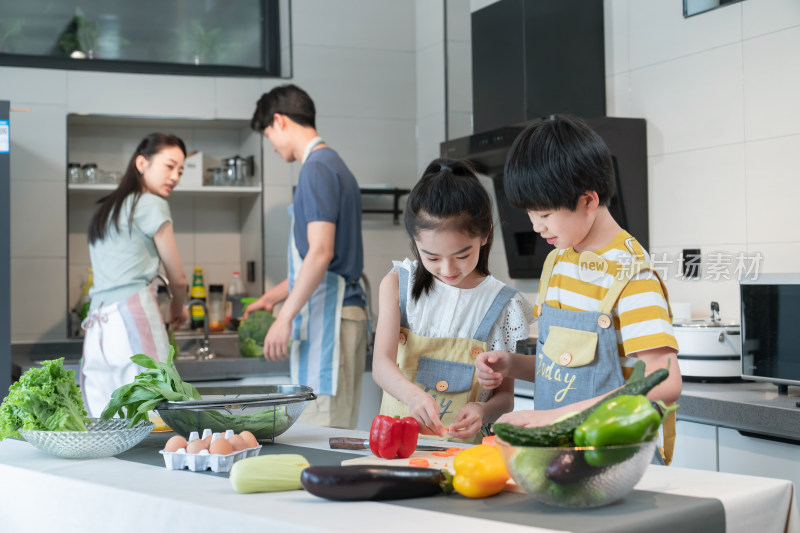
(560, 433)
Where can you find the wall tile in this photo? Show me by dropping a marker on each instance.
(428, 23)
(216, 230)
(615, 23)
(459, 74)
(37, 280)
(376, 25)
(698, 197)
(375, 151)
(140, 94)
(459, 21)
(765, 16)
(33, 85)
(658, 32)
(236, 97)
(38, 144)
(430, 81)
(618, 95)
(723, 289)
(430, 133)
(276, 221)
(38, 210)
(351, 82)
(771, 78)
(692, 102)
(772, 195)
(777, 258)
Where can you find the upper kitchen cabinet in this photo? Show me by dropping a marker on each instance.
(208, 38)
(217, 227)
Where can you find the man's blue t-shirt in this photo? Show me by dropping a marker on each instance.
(327, 191)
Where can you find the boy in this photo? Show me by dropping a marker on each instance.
(600, 304)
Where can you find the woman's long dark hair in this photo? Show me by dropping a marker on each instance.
(132, 182)
(449, 195)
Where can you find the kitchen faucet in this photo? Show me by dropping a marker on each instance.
(204, 351)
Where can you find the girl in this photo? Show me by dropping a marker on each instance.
(129, 234)
(436, 314)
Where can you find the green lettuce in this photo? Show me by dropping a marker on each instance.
(45, 398)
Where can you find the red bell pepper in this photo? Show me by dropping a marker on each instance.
(392, 437)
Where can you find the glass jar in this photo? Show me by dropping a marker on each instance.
(74, 172)
(216, 308)
(90, 173)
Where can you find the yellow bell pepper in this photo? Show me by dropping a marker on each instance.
(480, 472)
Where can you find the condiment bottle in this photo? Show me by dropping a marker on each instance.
(198, 292)
(233, 300)
(216, 308)
(85, 300)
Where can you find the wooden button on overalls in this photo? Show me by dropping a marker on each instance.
(565, 358)
(604, 321)
(402, 339)
(475, 352)
(442, 386)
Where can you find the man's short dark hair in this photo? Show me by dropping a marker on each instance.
(289, 100)
(556, 160)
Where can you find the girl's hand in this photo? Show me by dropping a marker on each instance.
(426, 411)
(468, 421)
(492, 367)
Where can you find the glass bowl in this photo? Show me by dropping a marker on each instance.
(577, 477)
(265, 411)
(104, 439)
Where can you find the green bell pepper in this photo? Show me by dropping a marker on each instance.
(618, 421)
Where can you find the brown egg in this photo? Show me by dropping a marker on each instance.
(249, 439)
(175, 443)
(221, 447)
(237, 442)
(207, 440)
(196, 446)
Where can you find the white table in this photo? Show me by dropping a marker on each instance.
(39, 492)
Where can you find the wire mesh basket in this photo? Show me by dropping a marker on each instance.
(265, 411)
(104, 438)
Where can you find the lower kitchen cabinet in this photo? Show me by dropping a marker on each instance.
(695, 446)
(744, 454)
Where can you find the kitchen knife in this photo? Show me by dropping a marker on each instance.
(349, 443)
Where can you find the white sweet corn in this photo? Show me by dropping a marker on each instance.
(268, 473)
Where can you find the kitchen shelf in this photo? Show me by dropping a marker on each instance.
(82, 188)
(394, 192)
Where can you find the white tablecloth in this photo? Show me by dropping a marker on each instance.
(39, 492)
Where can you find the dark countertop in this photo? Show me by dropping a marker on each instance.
(746, 406)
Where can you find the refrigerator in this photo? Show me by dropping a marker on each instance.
(5, 249)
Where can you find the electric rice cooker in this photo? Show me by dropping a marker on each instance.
(709, 349)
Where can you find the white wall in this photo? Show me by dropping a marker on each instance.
(720, 94)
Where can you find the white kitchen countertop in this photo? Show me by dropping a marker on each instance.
(39, 492)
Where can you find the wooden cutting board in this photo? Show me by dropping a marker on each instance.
(434, 461)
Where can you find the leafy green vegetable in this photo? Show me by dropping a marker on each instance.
(262, 424)
(252, 331)
(44, 398)
(159, 382)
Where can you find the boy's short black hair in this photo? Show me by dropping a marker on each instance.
(556, 160)
(289, 100)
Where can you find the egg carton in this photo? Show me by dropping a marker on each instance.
(204, 460)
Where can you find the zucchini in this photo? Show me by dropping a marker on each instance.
(560, 433)
(365, 482)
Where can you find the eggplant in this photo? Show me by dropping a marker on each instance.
(368, 482)
(568, 467)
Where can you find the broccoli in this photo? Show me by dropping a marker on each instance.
(252, 331)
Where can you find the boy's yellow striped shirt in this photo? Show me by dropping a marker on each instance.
(642, 318)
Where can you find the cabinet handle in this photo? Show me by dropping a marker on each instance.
(785, 440)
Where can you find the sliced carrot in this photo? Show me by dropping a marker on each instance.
(418, 461)
(453, 449)
(488, 440)
(442, 454)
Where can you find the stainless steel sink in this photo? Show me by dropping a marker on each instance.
(224, 361)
